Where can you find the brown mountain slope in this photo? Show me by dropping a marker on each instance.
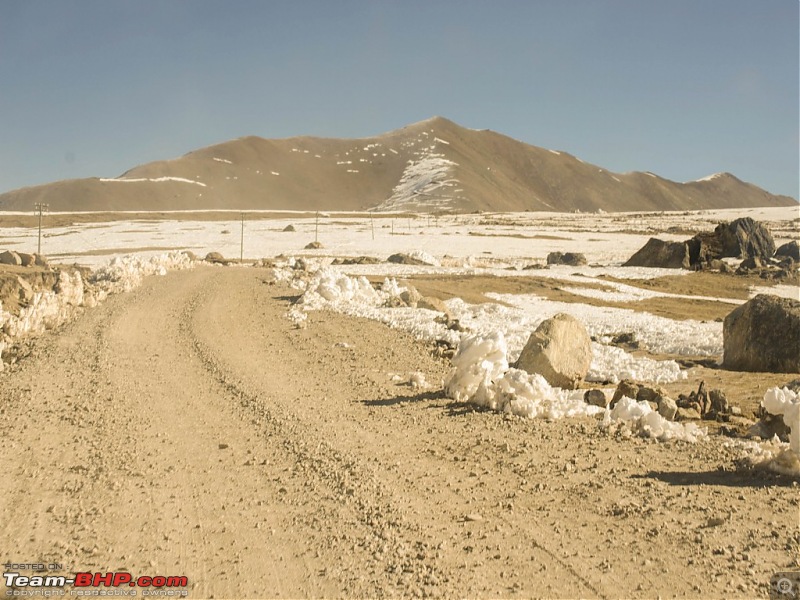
(434, 165)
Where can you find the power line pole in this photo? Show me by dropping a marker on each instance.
(241, 245)
(40, 207)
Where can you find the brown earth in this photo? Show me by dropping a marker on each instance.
(187, 428)
(473, 289)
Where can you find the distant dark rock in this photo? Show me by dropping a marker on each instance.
(405, 259)
(216, 258)
(313, 246)
(573, 259)
(750, 264)
(289, 228)
(789, 250)
(763, 335)
(743, 238)
(359, 260)
(658, 253)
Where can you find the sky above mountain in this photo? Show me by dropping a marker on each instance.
(679, 87)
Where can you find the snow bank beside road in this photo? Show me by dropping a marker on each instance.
(71, 294)
(481, 376)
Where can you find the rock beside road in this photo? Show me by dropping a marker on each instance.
(763, 335)
(596, 397)
(560, 350)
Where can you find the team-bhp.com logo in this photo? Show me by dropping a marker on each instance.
(90, 584)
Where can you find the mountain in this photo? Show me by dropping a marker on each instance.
(433, 165)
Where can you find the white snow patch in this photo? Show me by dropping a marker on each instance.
(785, 402)
(656, 334)
(222, 160)
(154, 180)
(784, 291)
(643, 421)
(710, 177)
(421, 183)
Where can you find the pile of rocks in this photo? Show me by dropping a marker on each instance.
(702, 404)
(573, 259)
(22, 259)
(656, 396)
(743, 238)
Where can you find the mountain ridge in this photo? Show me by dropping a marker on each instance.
(434, 165)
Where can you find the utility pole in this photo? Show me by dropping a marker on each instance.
(241, 245)
(316, 229)
(372, 225)
(40, 206)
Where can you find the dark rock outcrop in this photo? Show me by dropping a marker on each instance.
(658, 253)
(789, 250)
(743, 238)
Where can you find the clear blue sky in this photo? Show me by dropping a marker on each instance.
(683, 88)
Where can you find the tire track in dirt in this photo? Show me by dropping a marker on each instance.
(345, 437)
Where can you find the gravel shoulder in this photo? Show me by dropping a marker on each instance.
(187, 428)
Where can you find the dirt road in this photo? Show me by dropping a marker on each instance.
(187, 428)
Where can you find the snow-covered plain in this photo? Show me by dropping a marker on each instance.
(492, 240)
(483, 244)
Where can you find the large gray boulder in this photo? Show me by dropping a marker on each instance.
(745, 238)
(763, 335)
(560, 350)
(658, 253)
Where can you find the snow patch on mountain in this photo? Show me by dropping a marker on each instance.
(425, 182)
(152, 180)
